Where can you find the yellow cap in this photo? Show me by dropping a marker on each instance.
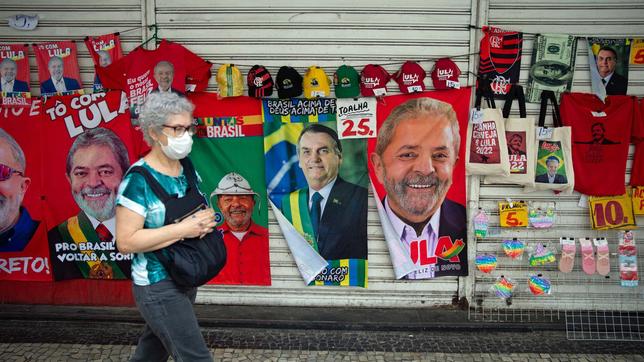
(230, 81)
(316, 83)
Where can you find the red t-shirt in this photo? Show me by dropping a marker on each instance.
(637, 172)
(247, 261)
(601, 132)
(134, 73)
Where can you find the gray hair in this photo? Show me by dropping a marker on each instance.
(415, 108)
(55, 58)
(99, 137)
(163, 62)
(18, 154)
(158, 107)
(8, 60)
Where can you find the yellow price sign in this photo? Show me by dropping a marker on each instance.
(513, 215)
(637, 52)
(611, 212)
(638, 200)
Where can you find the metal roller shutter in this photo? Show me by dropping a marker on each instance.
(575, 290)
(328, 34)
(332, 33)
(73, 20)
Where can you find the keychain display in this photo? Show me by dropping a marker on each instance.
(541, 216)
(503, 287)
(486, 262)
(481, 224)
(514, 248)
(539, 285)
(541, 255)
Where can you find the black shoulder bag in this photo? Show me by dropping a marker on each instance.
(194, 261)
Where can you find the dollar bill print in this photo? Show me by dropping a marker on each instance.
(553, 65)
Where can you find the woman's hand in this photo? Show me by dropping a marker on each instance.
(198, 224)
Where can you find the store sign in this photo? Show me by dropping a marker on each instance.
(638, 200)
(611, 212)
(513, 214)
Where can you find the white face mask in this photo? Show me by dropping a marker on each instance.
(178, 147)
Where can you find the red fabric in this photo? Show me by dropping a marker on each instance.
(20, 54)
(110, 43)
(445, 70)
(66, 50)
(80, 113)
(36, 137)
(373, 77)
(460, 101)
(134, 73)
(599, 163)
(247, 261)
(32, 263)
(410, 77)
(637, 172)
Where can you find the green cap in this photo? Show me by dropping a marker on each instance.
(347, 82)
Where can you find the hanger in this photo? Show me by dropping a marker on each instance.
(153, 37)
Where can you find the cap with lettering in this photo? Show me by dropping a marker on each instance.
(373, 80)
(347, 82)
(316, 83)
(445, 74)
(289, 82)
(410, 77)
(230, 81)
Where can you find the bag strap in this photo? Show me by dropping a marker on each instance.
(548, 95)
(189, 171)
(516, 92)
(484, 91)
(152, 182)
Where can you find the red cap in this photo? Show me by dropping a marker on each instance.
(373, 80)
(410, 77)
(445, 74)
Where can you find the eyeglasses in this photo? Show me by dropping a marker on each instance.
(178, 131)
(6, 172)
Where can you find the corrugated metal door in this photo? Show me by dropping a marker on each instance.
(73, 20)
(332, 33)
(575, 290)
(328, 34)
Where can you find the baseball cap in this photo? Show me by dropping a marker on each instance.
(230, 81)
(410, 77)
(445, 74)
(347, 82)
(289, 82)
(373, 80)
(316, 83)
(260, 82)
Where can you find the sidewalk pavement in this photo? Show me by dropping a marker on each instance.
(302, 333)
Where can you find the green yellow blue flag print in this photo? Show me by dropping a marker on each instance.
(227, 153)
(318, 184)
